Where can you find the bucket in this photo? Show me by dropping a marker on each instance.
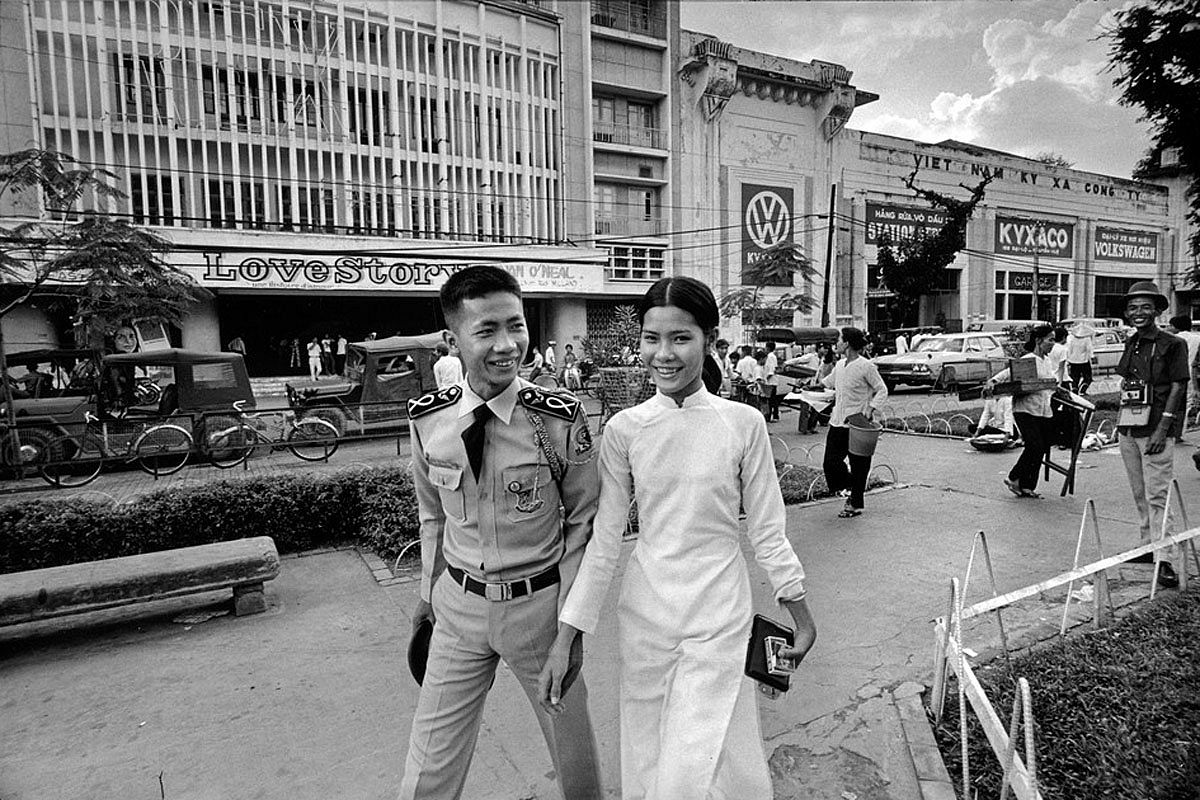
(864, 435)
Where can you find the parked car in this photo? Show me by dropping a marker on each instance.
(886, 341)
(373, 391)
(1107, 346)
(923, 365)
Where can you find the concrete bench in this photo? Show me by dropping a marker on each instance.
(242, 564)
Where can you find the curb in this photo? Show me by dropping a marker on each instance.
(932, 776)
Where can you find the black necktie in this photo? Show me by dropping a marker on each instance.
(473, 438)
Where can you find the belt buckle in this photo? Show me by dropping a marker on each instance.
(497, 592)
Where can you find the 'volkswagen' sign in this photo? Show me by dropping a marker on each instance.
(767, 219)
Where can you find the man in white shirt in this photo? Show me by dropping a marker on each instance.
(1182, 327)
(551, 361)
(447, 370)
(772, 377)
(1080, 351)
(1058, 354)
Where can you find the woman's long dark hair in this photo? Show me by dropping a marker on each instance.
(855, 338)
(1038, 333)
(689, 294)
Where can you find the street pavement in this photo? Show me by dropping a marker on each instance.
(312, 698)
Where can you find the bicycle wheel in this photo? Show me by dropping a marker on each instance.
(313, 439)
(72, 461)
(163, 449)
(230, 446)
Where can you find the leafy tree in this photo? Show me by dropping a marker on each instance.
(113, 272)
(1154, 48)
(914, 267)
(1054, 159)
(778, 265)
(608, 348)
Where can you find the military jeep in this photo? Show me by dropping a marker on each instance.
(373, 391)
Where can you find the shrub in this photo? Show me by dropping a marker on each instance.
(375, 507)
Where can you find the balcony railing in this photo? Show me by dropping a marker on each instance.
(611, 225)
(646, 18)
(634, 135)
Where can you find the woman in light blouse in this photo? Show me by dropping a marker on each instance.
(688, 714)
(859, 390)
(1033, 416)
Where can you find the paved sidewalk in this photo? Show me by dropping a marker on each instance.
(312, 699)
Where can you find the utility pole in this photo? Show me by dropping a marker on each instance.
(828, 257)
(1037, 285)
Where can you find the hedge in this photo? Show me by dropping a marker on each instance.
(371, 506)
(374, 507)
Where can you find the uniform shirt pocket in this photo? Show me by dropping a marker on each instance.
(529, 491)
(448, 481)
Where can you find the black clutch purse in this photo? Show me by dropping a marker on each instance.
(761, 628)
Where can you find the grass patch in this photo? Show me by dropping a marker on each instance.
(1117, 712)
(797, 482)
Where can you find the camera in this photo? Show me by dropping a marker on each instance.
(777, 664)
(1135, 393)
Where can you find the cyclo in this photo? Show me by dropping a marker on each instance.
(200, 410)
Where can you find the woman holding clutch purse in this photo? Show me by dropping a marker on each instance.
(688, 714)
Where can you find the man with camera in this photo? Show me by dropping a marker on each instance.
(1154, 373)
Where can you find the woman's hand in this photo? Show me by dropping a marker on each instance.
(562, 667)
(806, 631)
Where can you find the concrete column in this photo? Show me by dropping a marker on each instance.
(201, 329)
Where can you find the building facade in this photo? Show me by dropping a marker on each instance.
(322, 167)
(1089, 237)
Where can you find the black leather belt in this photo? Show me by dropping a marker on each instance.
(505, 591)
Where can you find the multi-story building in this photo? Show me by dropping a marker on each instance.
(322, 167)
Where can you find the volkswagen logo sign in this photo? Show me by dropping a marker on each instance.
(768, 219)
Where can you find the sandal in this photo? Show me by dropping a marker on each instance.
(1014, 487)
(850, 511)
(1031, 494)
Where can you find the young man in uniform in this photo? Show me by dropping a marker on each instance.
(493, 458)
(1154, 374)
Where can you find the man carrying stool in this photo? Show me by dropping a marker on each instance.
(494, 456)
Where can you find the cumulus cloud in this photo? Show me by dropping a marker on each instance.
(1050, 91)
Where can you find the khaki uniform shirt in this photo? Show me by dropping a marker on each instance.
(507, 525)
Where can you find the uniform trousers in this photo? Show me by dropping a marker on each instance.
(1150, 479)
(470, 637)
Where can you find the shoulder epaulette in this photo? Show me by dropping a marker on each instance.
(432, 401)
(563, 405)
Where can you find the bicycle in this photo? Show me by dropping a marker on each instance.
(308, 438)
(74, 460)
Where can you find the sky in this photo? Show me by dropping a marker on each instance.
(1022, 76)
